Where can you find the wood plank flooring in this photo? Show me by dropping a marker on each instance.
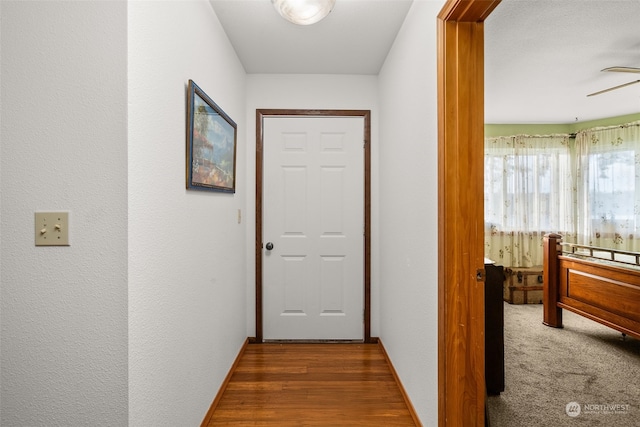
(312, 385)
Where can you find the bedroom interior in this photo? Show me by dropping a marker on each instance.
(593, 351)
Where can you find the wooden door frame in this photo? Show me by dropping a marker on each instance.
(461, 383)
(366, 115)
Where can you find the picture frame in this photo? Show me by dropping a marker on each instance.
(211, 144)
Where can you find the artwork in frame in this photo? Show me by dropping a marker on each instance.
(211, 144)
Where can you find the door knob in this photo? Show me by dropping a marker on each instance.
(269, 246)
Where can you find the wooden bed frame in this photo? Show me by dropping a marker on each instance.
(606, 291)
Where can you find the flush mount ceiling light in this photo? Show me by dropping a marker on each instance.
(303, 12)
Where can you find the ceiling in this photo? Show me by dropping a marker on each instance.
(354, 39)
(542, 57)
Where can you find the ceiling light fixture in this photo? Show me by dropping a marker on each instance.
(303, 12)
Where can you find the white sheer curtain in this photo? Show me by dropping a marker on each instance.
(529, 191)
(609, 194)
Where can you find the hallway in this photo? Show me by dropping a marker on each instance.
(312, 385)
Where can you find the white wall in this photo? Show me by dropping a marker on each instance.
(339, 92)
(64, 147)
(187, 268)
(409, 208)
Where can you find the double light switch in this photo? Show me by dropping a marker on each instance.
(52, 228)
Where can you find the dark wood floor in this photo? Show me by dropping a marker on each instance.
(312, 385)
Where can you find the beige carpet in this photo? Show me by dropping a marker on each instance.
(582, 375)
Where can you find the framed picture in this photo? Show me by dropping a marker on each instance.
(211, 144)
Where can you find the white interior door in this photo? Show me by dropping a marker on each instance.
(313, 215)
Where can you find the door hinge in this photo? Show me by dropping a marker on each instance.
(480, 275)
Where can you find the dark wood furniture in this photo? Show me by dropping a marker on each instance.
(605, 291)
(494, 328)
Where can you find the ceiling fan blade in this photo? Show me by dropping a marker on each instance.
(623, 69)
(614, 88)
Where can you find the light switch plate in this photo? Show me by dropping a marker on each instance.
(52, 228)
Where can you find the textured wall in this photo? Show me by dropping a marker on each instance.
(187, 274)
(149, 264)
(64, 147)
(409, 208)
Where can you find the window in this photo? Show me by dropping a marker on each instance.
(609, 193)
(587, 189)
(528, 193)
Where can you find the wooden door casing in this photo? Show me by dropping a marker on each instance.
(461, 383)
(260, 115)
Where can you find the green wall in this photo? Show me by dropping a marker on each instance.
(548, 129)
